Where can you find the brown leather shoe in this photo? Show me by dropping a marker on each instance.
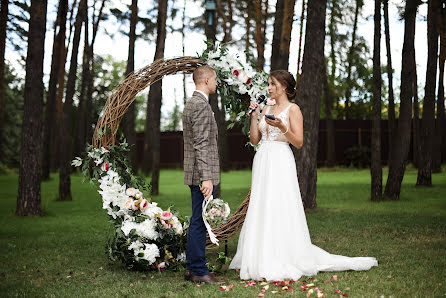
(208, 279)
(188, 274)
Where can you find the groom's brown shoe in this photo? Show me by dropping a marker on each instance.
(208, 279)
(188, 274)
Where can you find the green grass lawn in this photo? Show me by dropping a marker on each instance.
(62, 254)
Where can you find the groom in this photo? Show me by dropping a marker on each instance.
(201, 164)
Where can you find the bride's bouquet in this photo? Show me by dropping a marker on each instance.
(217, 212)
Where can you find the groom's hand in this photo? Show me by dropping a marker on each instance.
(206, 188)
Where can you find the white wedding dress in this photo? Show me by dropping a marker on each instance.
(274, 242)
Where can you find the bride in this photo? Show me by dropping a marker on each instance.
(274, 242)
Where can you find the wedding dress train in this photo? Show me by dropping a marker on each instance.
(274, 242)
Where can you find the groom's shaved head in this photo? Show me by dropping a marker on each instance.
(202, 73)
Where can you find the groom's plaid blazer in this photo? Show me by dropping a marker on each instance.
(200, 135)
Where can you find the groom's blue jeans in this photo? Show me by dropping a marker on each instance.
(196, 238)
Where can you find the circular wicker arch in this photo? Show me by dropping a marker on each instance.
(120, 100)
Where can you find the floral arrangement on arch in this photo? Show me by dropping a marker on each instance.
(144, 237)
(238, 82)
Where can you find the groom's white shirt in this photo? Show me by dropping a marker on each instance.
(204, 94)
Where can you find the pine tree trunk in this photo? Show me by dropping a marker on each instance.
(88, 130)
(285, 38)
(401, 139)
(129, 117)
(328, 103)
(155, 96)
(259, 37)
(391, 113)
(331, 30)
(416, 118)
(79, 124)
(248, 28)
(50, 111)
(3, 21)
(65, 141)
(427, 131)
(299, 56)
(278, 22)
(308, 98)
(350, 62)
(30, 173)
(440, 123)
(376, 167)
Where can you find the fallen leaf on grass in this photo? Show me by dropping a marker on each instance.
(260, 295)
(226, 288)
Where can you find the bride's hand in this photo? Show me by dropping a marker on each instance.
(254, 105)
(277, 123)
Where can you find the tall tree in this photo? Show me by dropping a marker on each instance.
(401, 140)
(391, 109)
(56, 65)
(376, 167)
(30, 173)
(3, 25)
(154, 101)
(416, 118)
(348, 91)
(249, 8)
(427, 132)
(281, 51)
(299, 56)
(260, 20)
(308, 98)
(129, 118)
(66, 132)
(91, 74)
(227, 21)
(440, 123)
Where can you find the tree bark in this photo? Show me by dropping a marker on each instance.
(350, 62)
(278, 22)
(248, 27)
(79, 124)
(89, 111)
(416, 118)
(440, 123)
(328, 103)
(155, 96)
(50, 110)
(401, 140)
(30, 173)
(3, 25)
(391, 113)
(299, 56)
(259, 36)
(65, 144)
(129, 118)
(308, 98)
(376, 167)
(427, 132)
(331, 30)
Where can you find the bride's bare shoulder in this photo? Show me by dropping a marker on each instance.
(295, 109)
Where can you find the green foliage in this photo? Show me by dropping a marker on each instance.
(357, 157)
(12, 121)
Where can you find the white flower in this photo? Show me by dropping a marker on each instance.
(131, 192)
(136, 246)
(145, 229)
(151, 252)
(103, 150)
(181, 256)
(77, 162)
(138, 194)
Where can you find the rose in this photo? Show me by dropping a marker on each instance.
(162, 266)
(166, 215)
(138, 194)
(166, 224)
(135, 205)
(270, 101)
(105, 167)
(131, 192)
(143, 204)
(235, 72)
(248, 82)
(129, 203)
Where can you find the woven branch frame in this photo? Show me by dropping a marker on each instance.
(122, 97)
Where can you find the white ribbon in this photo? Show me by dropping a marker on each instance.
(208, 226)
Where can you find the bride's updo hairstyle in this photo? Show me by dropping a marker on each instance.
(287, 80)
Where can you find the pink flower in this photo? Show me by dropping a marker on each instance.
(270, 101)
(260, 295)
(143, 204)
(105, 167)
(162, 266)
(129, 203)
(236, 72)
(248, 82)
(166, 215)
(335, 277)
(166, 224)
(130, 192)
